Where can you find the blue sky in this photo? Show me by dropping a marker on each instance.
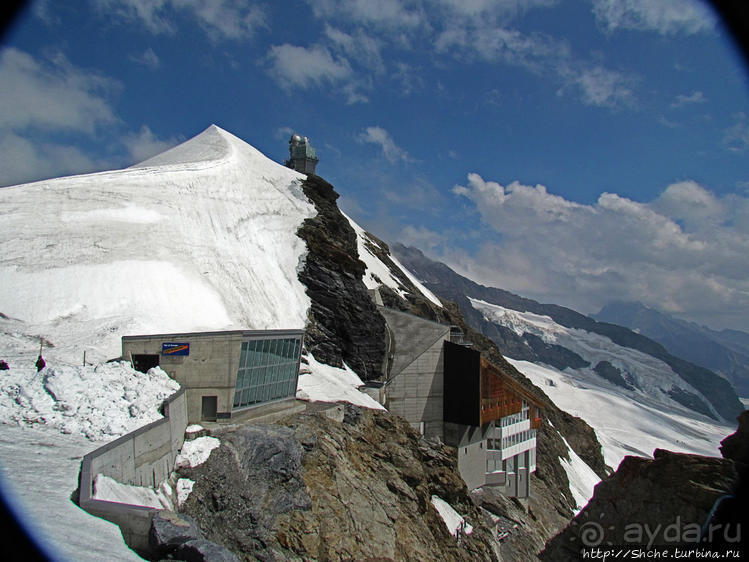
(572, 151)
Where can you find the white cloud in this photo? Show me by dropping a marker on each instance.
(148, 58)
(144, 144)
(666, 17)
(541, 54)
(736, 137)
(598, 86)
(300, 67)
(379, 136)
(23, 161)
(51, 94)
(691, 204)
(685, 251)
(417, 193)
(220, 19)
(682, 100)
(358, 46)
(387, 14)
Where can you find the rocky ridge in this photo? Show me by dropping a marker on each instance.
(343, 322)
(352, 488)
(670, 500)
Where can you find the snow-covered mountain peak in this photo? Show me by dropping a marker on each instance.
(200, 237)
(210, 145)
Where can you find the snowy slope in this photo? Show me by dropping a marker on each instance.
(625, 426)
(200, 237)
(651, 377)
(378, 273)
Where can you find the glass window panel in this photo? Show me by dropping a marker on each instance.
(266, 350)
(252, 395)
(271, 393)
(237, 397)
(288, 348)
(270, 353)
(251, 354)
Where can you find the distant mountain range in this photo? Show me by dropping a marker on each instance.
(524, 329)
(726, 352)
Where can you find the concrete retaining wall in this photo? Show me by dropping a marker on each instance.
(144, 457)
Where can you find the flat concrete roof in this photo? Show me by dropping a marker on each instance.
(243, 333)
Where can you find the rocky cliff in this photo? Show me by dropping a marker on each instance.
(670, 500)
(353, 488)
(343, 322)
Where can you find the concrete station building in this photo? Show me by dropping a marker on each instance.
(447, 390)
(223, 373)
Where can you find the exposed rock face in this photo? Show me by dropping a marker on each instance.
(361, 490)
(663, 501)
(733, 510)
(612, 374)
(169, 530)
(252, 478)
(176, 536)
(344, 324)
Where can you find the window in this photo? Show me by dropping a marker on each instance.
(267, 370)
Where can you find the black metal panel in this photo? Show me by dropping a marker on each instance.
(462, 399)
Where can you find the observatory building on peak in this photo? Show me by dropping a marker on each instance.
(302, 155)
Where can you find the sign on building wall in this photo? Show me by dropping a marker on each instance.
(172, 349)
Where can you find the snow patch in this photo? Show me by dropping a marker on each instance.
(377, 273)
(453, 520)
(100, 402)
(581, 477)
(195, 452)
(108, 489)
(184, 489)
(331, 384)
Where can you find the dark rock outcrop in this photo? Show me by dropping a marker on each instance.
(169, 530)
(361, 490)
(201, 550)
(647, 502)
(177, 536)
(252, 478)
(344, 325)
(732, 511)
(612, 374)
